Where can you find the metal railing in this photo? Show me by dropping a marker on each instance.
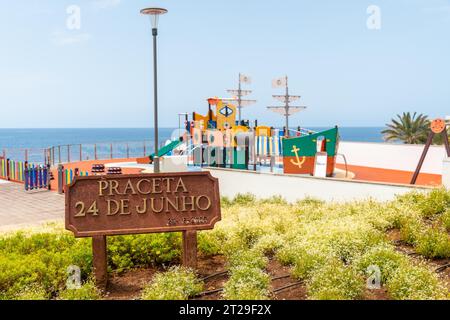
(302, 131)
(32, 155)
(345, 162)
(98, 151)
(79, 152)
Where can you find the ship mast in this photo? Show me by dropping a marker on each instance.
(286, 110)
(239, 93)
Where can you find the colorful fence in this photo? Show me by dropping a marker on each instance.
(36, 177)
(12, 170)
(267, 146)
(66, 176)
(70, 174)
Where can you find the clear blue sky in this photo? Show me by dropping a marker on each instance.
(100, 75)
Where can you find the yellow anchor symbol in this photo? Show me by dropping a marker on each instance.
(299, 162)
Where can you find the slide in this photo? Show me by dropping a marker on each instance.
(166, 149)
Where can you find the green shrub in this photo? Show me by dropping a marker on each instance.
(415, 283)
(388, 216)
(247, 233)
(329, 245)
(177, 283)
(310, 202)
(88, 291)
(247, 283)
(445, 220)
(411, 231)
(287, 255)
(208, 244)
(244, 199)
(434, 243)
(45, 269)
(17, 273)
(436, 202)
(20, 243)
(306, 261)
(248, 258)
(428, 204)
(334, 281)
(269, 244)
(34, 292)
(225, 202)
(351, 243)
(384, 257)
(125, 252)
(277, 200)
(40, 260)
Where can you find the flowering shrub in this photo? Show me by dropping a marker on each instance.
(334, 281)
(247, 283)
(32, 292)
(88, 291)
(384, 257)
(434, 243)
(445, 220)
(310, 234)
(416, 283)
(428, 204)
(328, 245)
(248, 258)
(307, 261)
(269, 244)
(411, 230)
(177, 283)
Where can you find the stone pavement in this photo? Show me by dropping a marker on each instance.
(20, 208)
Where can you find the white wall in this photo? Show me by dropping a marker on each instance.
(292, 188)
(446, 173)
(391, 156)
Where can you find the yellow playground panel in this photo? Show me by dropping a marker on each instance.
(201, 122)
(225, 114)
(263, 131)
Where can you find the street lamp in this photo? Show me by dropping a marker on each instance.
(180, 115)
(154, 14)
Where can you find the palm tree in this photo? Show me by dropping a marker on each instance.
(411, 129)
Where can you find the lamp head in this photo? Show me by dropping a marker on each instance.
(154, 14)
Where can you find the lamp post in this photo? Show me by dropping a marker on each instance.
(154, 14)
(180, 115)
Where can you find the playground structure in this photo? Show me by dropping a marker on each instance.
(218, 139)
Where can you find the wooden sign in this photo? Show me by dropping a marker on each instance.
(100, 206)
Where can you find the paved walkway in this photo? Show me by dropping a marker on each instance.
(19, 209)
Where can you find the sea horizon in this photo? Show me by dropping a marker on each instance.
(47, 137)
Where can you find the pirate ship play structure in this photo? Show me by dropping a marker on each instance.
(221, 138)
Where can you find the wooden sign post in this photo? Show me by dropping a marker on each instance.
(101, 206)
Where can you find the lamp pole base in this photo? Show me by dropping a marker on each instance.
(156, 168)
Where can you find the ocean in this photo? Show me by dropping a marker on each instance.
(44, 138)
(133, 142)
